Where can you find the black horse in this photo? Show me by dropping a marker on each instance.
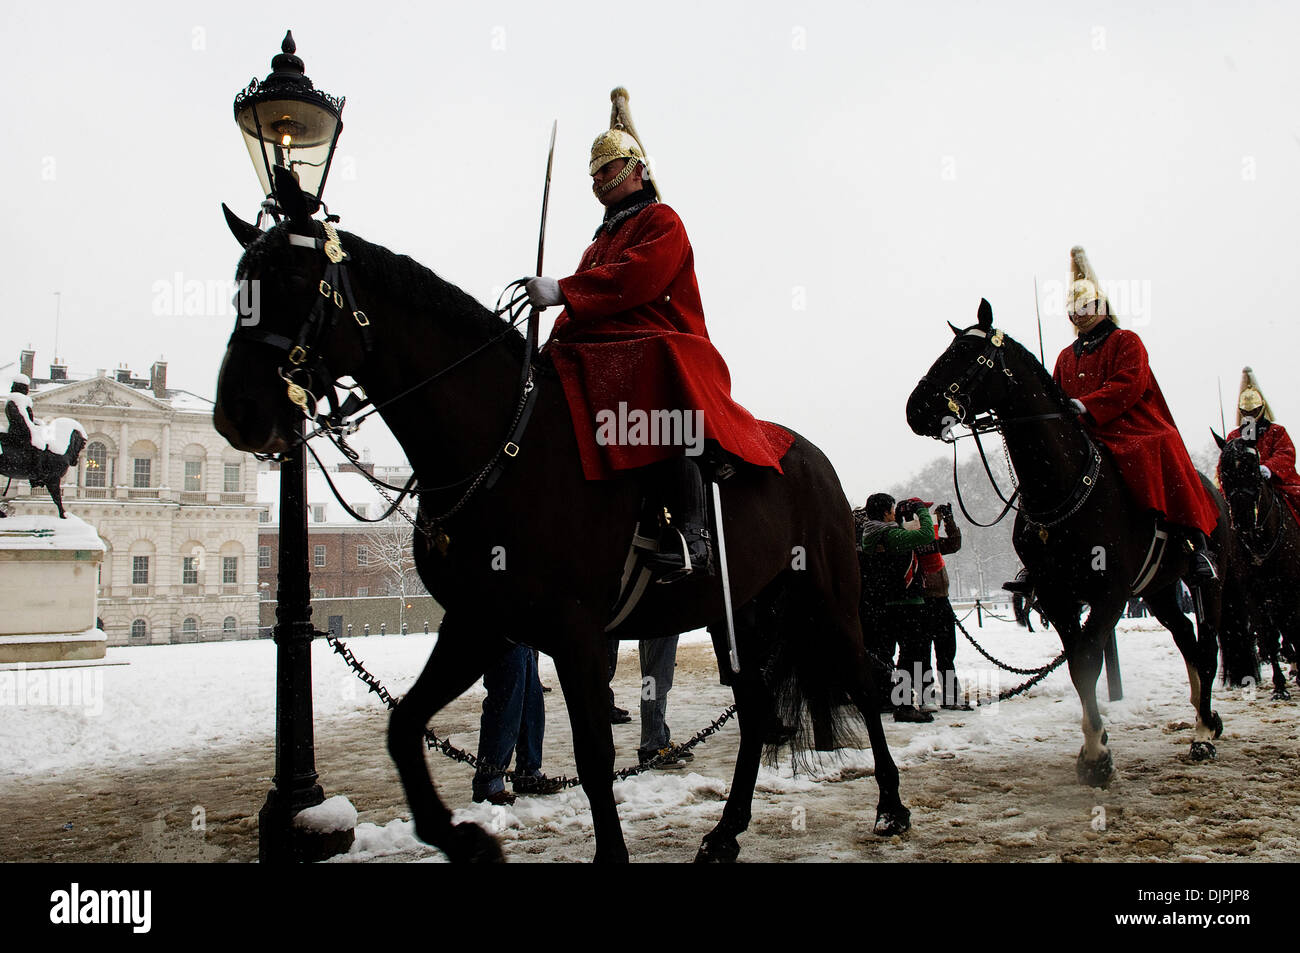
(445, 372)
(20, 460)
(1078, 531)
(1269, 540)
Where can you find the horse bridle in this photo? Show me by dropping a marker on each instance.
(304, 360)
(1259, 558)
(994, 355)
(304, 357)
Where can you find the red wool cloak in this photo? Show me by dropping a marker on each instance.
(1128, 415)
(1277, 452)
(633, 333)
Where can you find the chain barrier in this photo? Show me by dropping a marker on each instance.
(1043, 670)
(434, 743)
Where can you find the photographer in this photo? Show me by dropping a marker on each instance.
(891, 590)
(937, 610)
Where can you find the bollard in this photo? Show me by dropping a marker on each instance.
(349, 630)
(979, 614)
(383, 628)
(426, 626)
(367, 629)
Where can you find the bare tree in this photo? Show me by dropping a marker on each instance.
(390, 548)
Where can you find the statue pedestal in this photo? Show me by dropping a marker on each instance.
(49, 586)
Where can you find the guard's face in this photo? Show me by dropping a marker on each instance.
(1085, 317)
(610, 171)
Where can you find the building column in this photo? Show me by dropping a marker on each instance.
(123, 457)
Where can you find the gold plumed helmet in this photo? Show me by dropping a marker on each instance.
(1085, 290)
(1251, 398)
(620, 141)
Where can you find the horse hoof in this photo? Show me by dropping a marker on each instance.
(1217, 724)
(1203, 751)
(718, 851)
(470, 844)
(891, 822)
(1281, 695)
(1095, 774)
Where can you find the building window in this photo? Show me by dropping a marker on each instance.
(263, 557)
(320, 557)
(264, 516)
(139, 630)
(193, 475)
(190, 626)
(363, 510)
(228, 624)
(230, 478)
(363, 556)
(143, 470)
(229, 570)
(318, 512)
(318, 593)
(96, 465)
(189, 570)
(139, 570)
(363, 590)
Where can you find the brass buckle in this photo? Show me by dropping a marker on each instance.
(298, 354)
(324, 288)
(338, 301)
(361, 318)
(512, 449)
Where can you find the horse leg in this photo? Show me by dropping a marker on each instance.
(55, 486)
(459, 659)
(1200, 655)
(754, 712)
(892, 816)
(584, 677)
(1095, 765)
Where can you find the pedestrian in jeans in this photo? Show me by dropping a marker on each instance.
(937, 610)
(513, 725)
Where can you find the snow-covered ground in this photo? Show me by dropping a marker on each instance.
(90, 757)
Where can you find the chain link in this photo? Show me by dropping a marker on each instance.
(433, 742)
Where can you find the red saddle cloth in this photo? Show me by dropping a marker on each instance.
(635, 360)
(1128, 415)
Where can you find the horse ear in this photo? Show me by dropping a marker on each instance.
(985, 314)
(956, 331)
(1219, 440)
(292, 201)
(244, 232)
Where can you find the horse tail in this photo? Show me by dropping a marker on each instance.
(805, 675)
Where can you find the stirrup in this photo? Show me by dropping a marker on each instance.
(675, 567)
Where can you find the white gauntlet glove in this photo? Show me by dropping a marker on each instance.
(1078, 406)
(1265, 472)
(543, 292)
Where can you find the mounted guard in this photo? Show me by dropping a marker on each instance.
(1273, 444)
(1108, 378)
(631, 346)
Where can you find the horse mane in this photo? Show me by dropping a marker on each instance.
(400, 276)
(1042, 375)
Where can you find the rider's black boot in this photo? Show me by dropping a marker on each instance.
(1202, 568)
(684, 544)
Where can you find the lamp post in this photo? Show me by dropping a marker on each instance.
(287, 122)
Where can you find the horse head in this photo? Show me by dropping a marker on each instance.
(292, 339)
(1242, 482)
(959, 386)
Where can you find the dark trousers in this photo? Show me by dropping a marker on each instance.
(905, 625)
(943, 632)
(514, 717)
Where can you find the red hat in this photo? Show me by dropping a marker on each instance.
(920, 502)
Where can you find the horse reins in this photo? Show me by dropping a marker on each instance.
(995, 355)
(1260, 558)
(335, 288)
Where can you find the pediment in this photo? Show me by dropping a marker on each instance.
(99, 392)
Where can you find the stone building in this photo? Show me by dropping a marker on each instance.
(174, 503)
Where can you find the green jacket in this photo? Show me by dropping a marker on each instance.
(884, 546)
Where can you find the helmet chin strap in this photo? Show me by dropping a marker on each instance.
(618, 179)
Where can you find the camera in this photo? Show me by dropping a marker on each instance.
(904, 510)
(943, 511)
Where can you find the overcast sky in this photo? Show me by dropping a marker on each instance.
(852, 175)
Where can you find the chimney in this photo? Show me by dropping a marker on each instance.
(27, 363)
(158, 379)
(58, 372)
(123, 375)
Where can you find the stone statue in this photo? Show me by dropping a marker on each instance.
(32, 450)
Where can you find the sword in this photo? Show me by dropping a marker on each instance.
(546, 197)
(1041, 359)
(726, 582)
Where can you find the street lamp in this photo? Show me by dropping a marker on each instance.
(287, 122)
